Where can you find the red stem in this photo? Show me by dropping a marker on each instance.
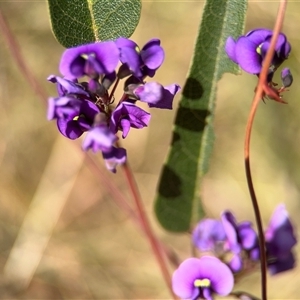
(260, 90)
(156, 248)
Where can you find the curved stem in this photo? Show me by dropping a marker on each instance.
(146, 225)
(261, 88)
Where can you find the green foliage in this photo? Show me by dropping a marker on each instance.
(178, 205)
(76, 22)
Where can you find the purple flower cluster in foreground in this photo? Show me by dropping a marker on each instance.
(240, 241)
(84, 103)
(234, 247)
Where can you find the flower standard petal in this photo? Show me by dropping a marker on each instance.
(73, 60)
(230, 49)
(259, 35)
(218, 276)
(152, 54)
(247, 56)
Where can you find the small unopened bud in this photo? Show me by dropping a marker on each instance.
(123, 71)
(286, 77)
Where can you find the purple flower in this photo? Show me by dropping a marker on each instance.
(115, 157)
(201, 278)
(99, 138)
(73, 116)
(127, 115)
(142, 62)
(239, 237)
(91, 59)
(156, 95)
(280, 239)
(208, 235)
(249, 51)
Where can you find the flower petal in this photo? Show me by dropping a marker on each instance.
(230, 48)
(247, 57)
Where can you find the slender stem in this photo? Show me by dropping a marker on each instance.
(15, 52)
(148, 230)
(261, 88)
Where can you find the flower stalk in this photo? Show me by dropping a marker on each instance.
(262, 89)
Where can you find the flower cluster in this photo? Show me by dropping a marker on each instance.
(238, 241)
(249, 52)
(84, 103)
(234, 247)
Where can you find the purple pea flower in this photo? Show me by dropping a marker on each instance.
(73, 116)
(249, 51)
(156, 95)
(91, 59)
(280, 239)
(239, 237)
(201, 278)
(208, 235)
(142, 62)
(127, 115)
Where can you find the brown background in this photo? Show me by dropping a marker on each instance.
(62, 234)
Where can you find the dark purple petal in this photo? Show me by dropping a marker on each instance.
(69, 128)
(247, 235)
(207, 234)
(166, 102)
(207, 267)
(99, 138)
(127, 115)
(73, 61)
(258, 36)
(230, 228)
(65, 86)
(115, 157)
(278, 266)
(247, 56)
(230, 49)
(152, 54)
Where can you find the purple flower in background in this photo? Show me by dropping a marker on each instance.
(249, 51)
(113, 158)
(73, 116)
(208, 235)
(127, 115)
(91, 59)
(280, 239)
(142, 62)
(156, 95)
(239, 237)
(201, 278)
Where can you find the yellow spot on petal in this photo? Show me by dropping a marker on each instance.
(258, 49)
(202, 283)
(137, 49)
(75, 118)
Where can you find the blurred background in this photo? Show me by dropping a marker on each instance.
(63, 233)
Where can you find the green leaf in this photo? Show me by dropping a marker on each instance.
(178, 205)
(77, 22)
